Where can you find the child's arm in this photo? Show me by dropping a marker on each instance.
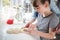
(50, 35)
(33, 31)
(30, 22)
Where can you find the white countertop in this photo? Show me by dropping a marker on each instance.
(21, 36)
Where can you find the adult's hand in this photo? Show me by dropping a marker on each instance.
(58, 31)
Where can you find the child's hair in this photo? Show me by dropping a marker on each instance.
(41, 1)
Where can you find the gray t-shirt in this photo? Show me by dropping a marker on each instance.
(44, 23)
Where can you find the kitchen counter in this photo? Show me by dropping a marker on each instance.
(20, 36)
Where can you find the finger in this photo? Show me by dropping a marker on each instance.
(31, 26)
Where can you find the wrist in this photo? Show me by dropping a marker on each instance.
(37, 33)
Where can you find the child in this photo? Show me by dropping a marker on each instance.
(46, 21)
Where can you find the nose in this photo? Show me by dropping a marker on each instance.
(37, 10)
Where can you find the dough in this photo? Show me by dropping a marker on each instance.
(15, 30)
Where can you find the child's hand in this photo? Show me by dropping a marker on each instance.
(32, 26)
(31, 30)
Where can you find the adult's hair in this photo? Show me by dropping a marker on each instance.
(58, 4)
(59, 0)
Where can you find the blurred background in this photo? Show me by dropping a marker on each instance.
(15, 9)
(19, 11)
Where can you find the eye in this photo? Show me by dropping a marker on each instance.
(38, 7)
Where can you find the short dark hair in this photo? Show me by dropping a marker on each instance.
(42, 1)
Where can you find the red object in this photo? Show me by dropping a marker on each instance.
(10, 21)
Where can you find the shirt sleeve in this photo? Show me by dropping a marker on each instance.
(35, 15)
(54, 22)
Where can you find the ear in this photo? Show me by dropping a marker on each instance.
(46, 4)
